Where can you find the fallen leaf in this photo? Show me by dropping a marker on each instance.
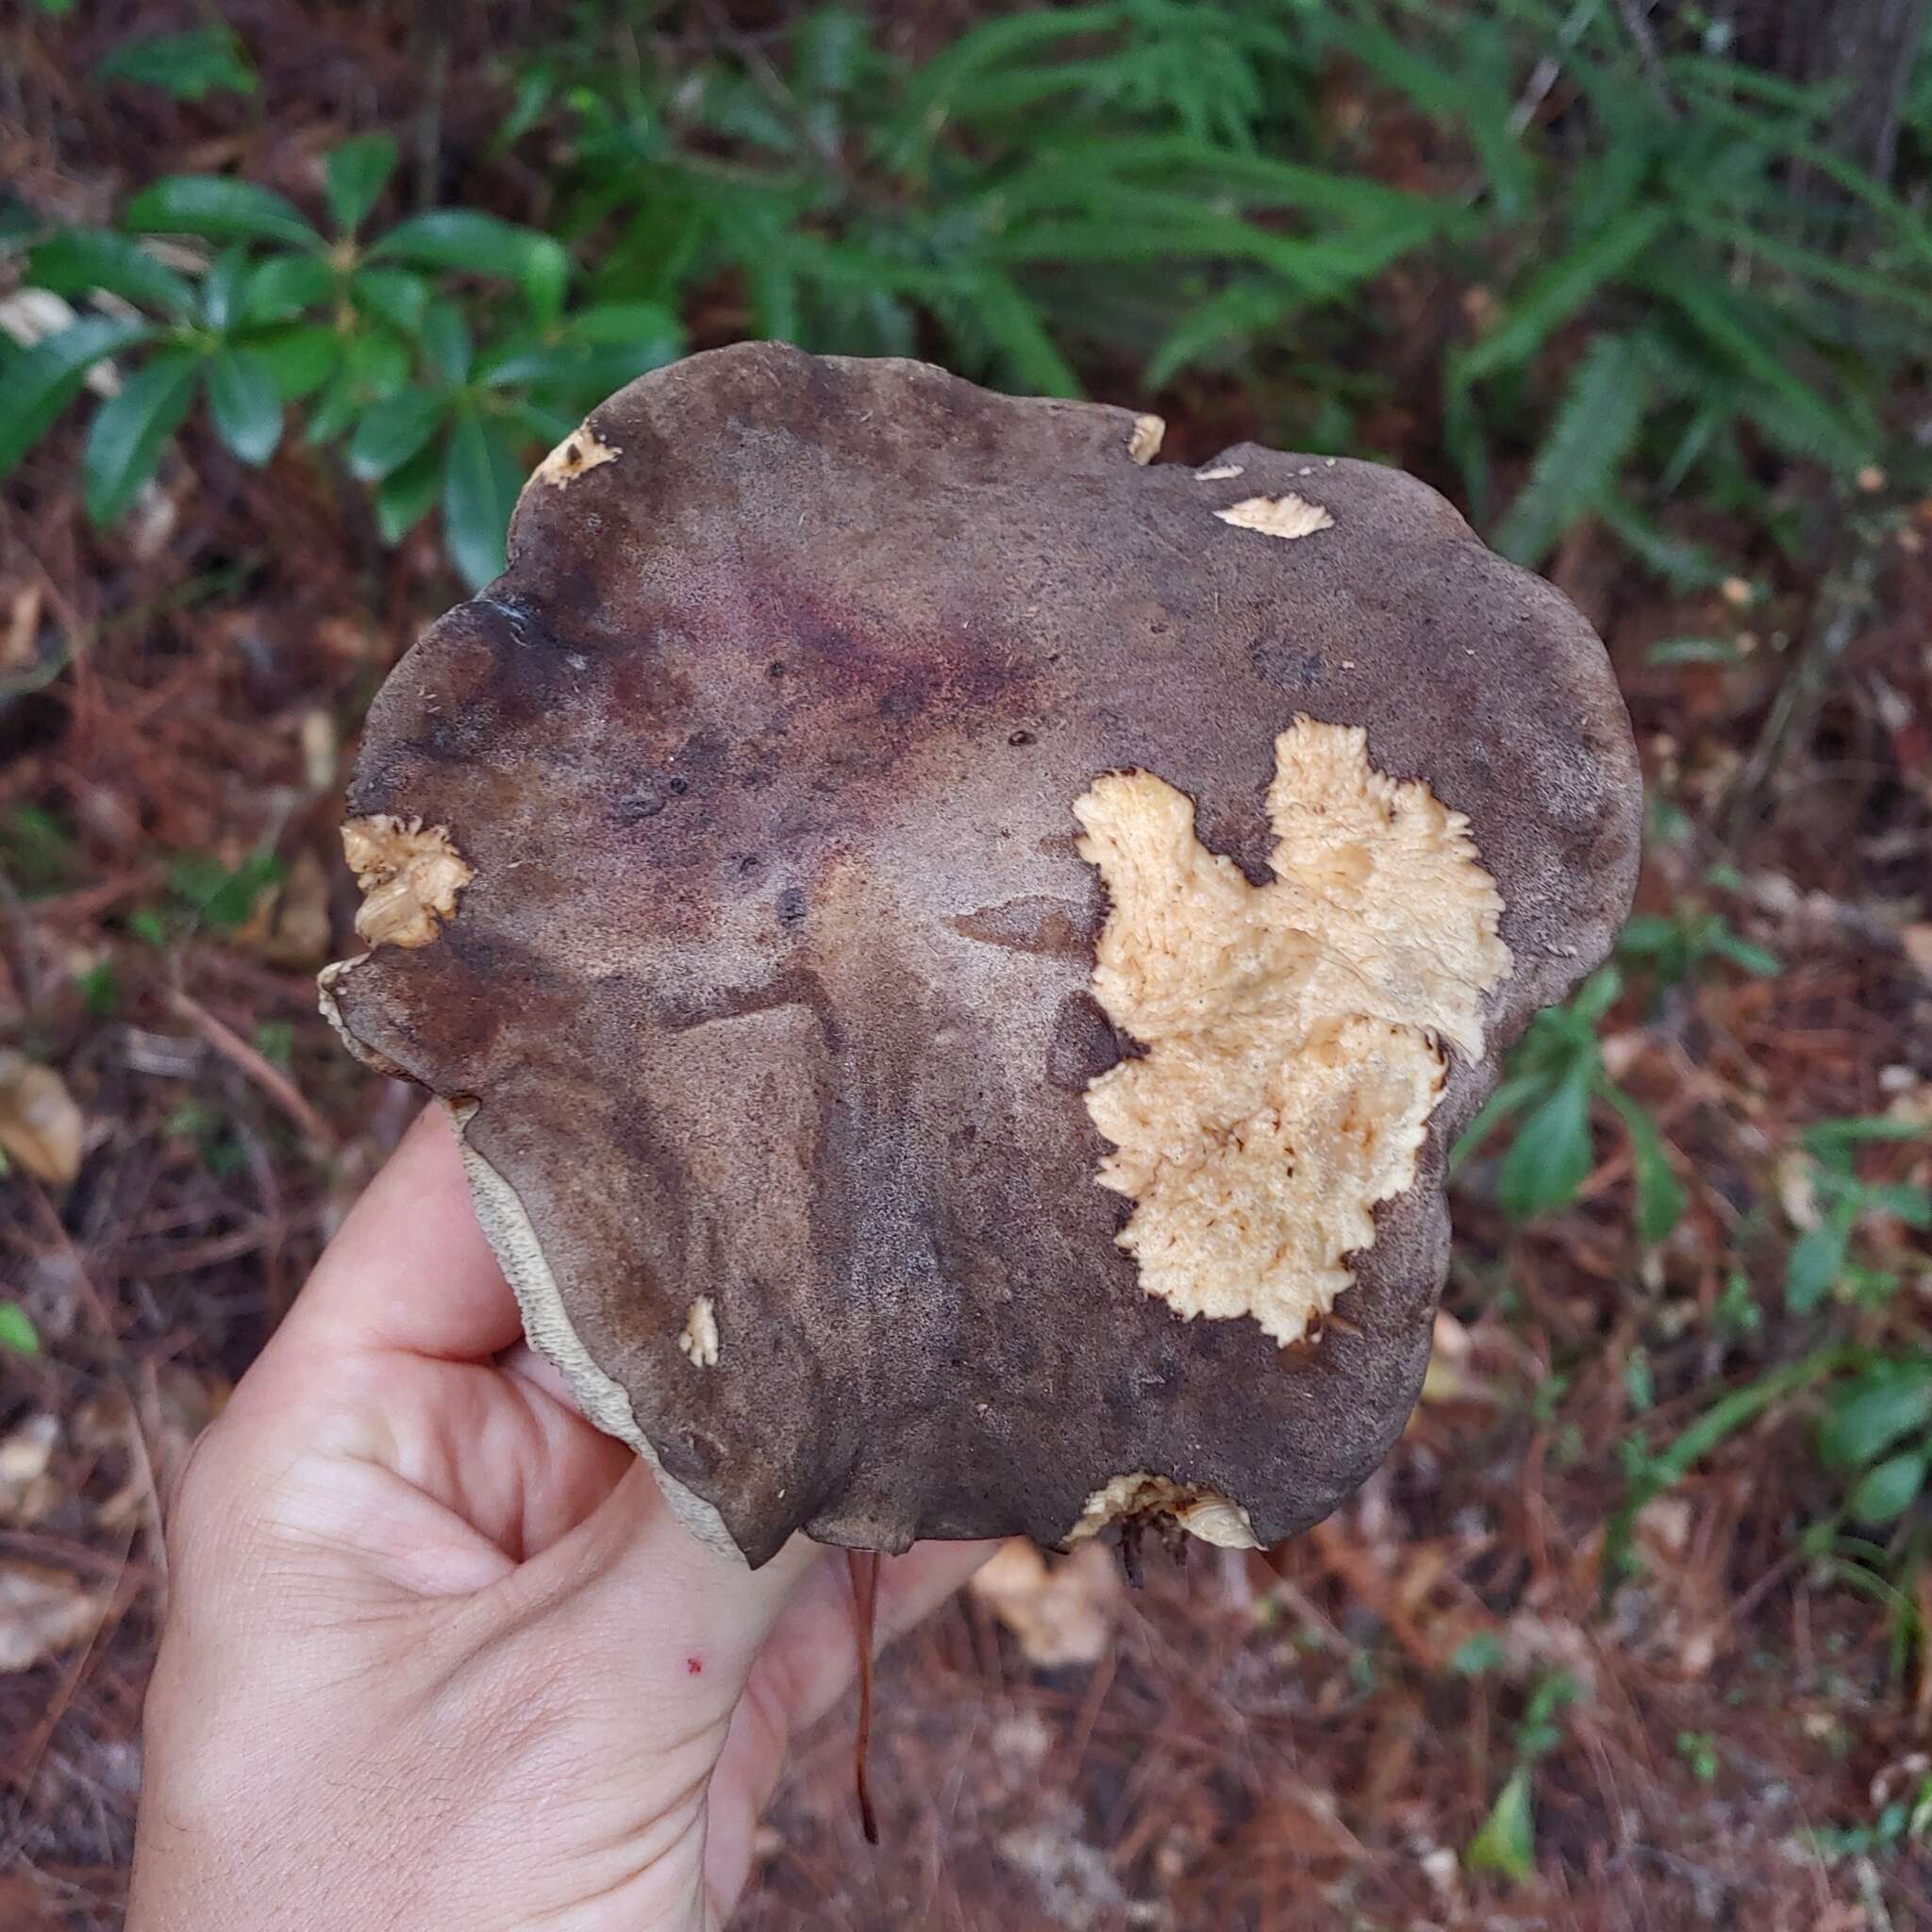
(27, 1492)
(289, 925)
(39, 1125)
(1059, 1613)
(42, 1613)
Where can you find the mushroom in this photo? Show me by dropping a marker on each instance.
(957, 950)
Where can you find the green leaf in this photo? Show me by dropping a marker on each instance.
(446, 342)
(1594, 430)
(1014, 328)
(477, 243)
(17, 1330)
(394, 431)
(284, 286)
(130, 430)
(1889, 1402)
(245, 403)
(300, 358)
(37, 386)
(481, 483)
(408, 494)
(1557, 292)
(395, 295)
(191, 65)
(1692, 651)
(1814, 1264)
(355, 175)
(223, 286)
(79, 259)
(218, 207)
(1506, 1843)
(1888, 1488)
(1659, 1199)
(1551, 1155)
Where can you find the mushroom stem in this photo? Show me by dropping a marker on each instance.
(863, 1567)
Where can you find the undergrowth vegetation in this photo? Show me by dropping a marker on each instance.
(1596, 280)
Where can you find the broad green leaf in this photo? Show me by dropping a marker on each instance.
(1888, 1488)
(1506, 1843)
(301, 357)
(35, 387)
(1886, 1405)
(78, 259)
(245, 403)
(408, 494)
(285, 286)
(355, 175)
(1551, 1154)
(477, 243)
(446, 340)
(223, 286)
(1594, 430)
(219, 207)
(395, 295)
(394, 431)
(1557, 291)
(191, 65)
(481, 478)
(1814, 1264)
(131, 429)
(17, 1330)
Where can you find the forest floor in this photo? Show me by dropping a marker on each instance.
(1314, 1739)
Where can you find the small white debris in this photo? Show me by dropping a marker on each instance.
(1287, 517)
(1219, 473)
(581, 450)
(1143, 443)
(699, 1340)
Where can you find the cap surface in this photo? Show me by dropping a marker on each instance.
(961, 950)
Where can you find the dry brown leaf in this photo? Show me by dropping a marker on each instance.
(290, 925)
(20, 636)
(39, 1125)
(27, 1492)
(43, 1612)
(1060, 1612)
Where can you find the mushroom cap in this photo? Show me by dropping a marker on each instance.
(835, 813)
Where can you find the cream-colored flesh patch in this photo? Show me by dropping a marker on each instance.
(1204, 1513)
(581, 450)
(1294, 1030)
(1143, 440)
(1288, 517)
(699, 1339)
(410, 874)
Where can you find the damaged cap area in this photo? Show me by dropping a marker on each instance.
(410, 874)
(1294, 1030)
(961, 970)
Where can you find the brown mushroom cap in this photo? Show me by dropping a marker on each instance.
(959, 953)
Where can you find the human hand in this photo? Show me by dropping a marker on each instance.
(437, 1651)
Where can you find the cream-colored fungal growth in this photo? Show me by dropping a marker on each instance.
(579, 451)
(1143, 442)
(1204, 1513)
(1294, 1030)
(1289, 516)
(1219, 474)
(410, 873)
(699, 1340)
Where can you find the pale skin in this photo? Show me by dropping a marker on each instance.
(437, 1653)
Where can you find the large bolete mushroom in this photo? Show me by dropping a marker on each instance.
(959, 951)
